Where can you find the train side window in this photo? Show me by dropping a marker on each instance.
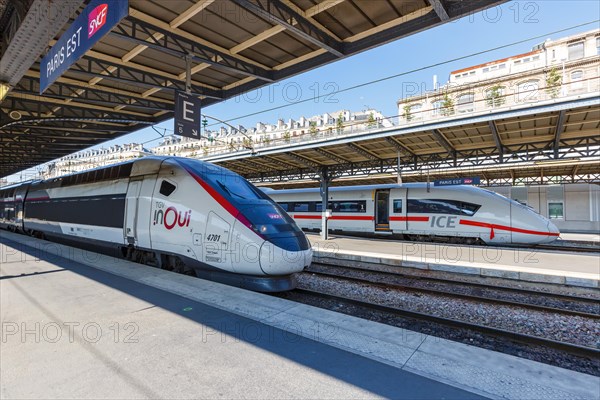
(166, 188)
(285, 206)
(398, 206)
(442, 206)
(300, 207)
(359, 206)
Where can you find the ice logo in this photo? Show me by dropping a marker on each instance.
(97, 19)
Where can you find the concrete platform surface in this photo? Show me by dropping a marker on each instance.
(561, 267)
(109, 328)
(581, 237)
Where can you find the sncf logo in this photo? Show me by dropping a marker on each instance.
(97, 19)
(171, 218)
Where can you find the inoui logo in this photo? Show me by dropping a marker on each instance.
(170, 217)
(97, 19)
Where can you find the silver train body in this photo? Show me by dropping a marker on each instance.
(458, 214)
(173, 213)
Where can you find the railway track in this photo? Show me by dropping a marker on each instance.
(393, 299)
(591, 248)
(570, 348)
(521, 297)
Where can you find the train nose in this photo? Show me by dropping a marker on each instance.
(275, 260)
(285, 248)
(554, 232)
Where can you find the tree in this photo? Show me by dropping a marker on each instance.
(371, 122)
(313, 128)
(406, 112)
(447, 105)
(553, 83)
(267, 140)
(286, 136)
(205, 150)
(494, 97)
(339, 123)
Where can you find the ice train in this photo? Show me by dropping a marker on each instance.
(174, 213)
(418, 211)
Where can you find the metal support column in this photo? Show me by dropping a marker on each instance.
(324, 180)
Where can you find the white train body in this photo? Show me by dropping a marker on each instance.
(175, 213)
(454, 213)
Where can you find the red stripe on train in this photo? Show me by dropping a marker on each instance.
(506, 228)
(338, 217)
(411, 219)
(221, 200)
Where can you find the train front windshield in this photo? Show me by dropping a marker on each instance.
(268, 219)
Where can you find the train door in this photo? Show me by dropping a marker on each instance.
(382, 210)
(144, 212)
(131, 207)
(398, 218)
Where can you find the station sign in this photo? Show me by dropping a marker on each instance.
(458, 181)
(187, 115)
(95, 21)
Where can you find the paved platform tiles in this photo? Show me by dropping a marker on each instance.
(181, 337)
(560, 267)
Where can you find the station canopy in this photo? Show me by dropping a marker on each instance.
(128, 79)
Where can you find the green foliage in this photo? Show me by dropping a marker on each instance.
(553, 82)
(371, 122)
(493, 97)
(313, 128)
(447, 106)
(286, 136)
(339, 123)
(406, 112)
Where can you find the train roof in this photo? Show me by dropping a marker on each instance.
(416, 185)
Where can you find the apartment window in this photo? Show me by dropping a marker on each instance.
(437, 107)
(415, 111)
(577, 80)
(527, 91)
(486, 69)
(465, 102)
(576, 51)
(517, 62)
(494, 96)
(501, 66)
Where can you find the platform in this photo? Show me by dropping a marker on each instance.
(584, 238)
(544, 266)
(109, 328)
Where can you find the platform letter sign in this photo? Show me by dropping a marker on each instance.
(457, 181)
(187, 115)
(96, 20)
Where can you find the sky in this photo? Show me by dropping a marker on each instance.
(514, 21)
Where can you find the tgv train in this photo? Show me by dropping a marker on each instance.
(456, 214)
(174, 213)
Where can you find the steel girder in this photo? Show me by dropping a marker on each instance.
(143, 33)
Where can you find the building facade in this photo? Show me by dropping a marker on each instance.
(551, 71)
